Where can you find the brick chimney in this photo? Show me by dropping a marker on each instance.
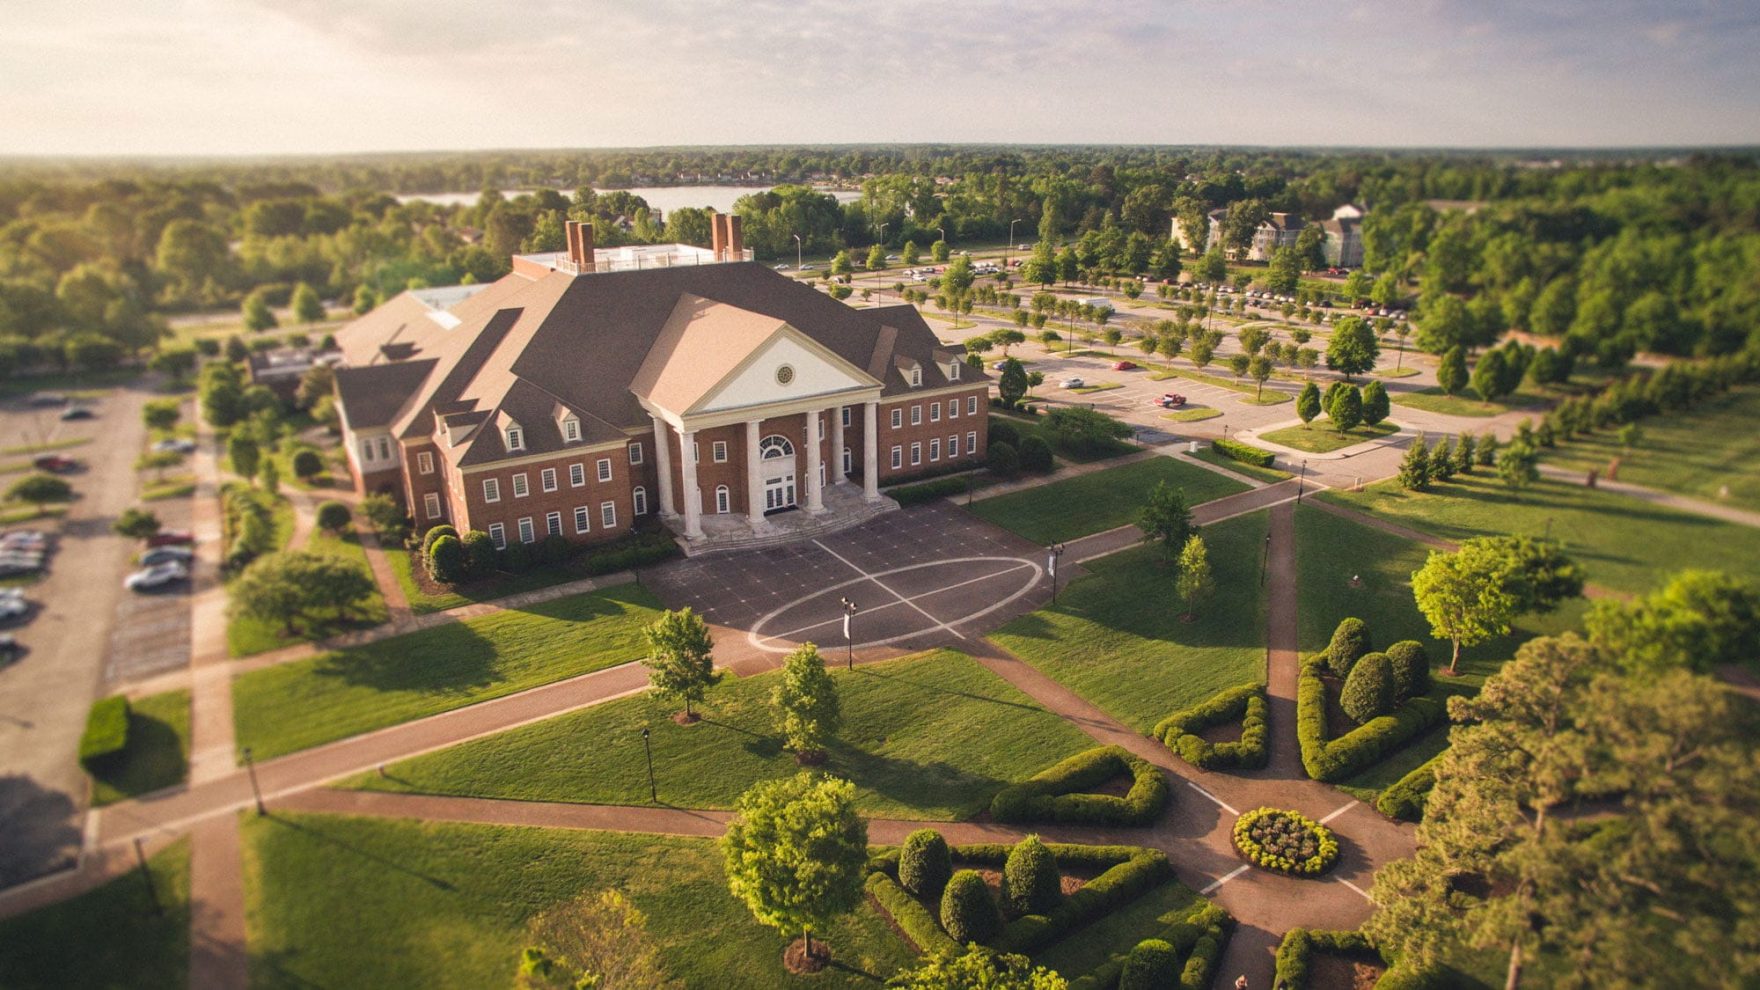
(735, 242)
(580, 244)
(717, 235)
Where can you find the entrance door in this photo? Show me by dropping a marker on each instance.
(776, 461)
(779, 493)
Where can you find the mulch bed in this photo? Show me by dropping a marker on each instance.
(1335, 971)
(796, 959)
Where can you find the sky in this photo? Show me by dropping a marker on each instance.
(256, 77)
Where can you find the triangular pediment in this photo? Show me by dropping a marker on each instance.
(786, 367)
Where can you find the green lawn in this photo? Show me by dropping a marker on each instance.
(248, 636)
(1697, 452)
(109, 937)
(176, 486)
(1117, 639)
(158, 749)
(1270, 398)
(291, 706)
(355, 902)
(1099, 500)
(1622, 543)
(1465, 403)
(1250, 389)
(1095, 387)
(29, 449)
(1114, 935)
(1405, 371)
(932, 736)
(1270, 476)
(1035, 426)
(1194, 414)
(1322, 438)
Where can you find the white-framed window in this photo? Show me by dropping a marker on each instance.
(384, 448)
(547, 479)
(952, 408)
(934, 412)
(916, 415)
(848, 461)
(953, 446)
(526, 533)
(916, 377)
(491, 489)
(425, 462)
(916, 454)
(516, 439)
(498, 535)
(636, 453)
(696, 452)
(608, 515)
(640, 497)
(971, 405)
(935, 449)
(571, 430)
(521, 486)
(972, 442)
(845, 415)
(897, 418)
(718, 450)
(582, 516)
(897, 457)
(553, 524)
(577, 475)
(723, 499)
(604, 469)
(953, 371)
(431, 505)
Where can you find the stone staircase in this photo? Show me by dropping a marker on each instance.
(844, 507)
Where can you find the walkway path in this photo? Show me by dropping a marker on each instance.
(1696, 506)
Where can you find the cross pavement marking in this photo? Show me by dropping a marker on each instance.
(792, 633)
(883, 586)
(1226, 877)
(1338, 812)
(1356, 888)
(1220, 803)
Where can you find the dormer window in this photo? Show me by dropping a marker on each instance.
(516, 439)
(916, 377)
(953, 371)
(571, 430)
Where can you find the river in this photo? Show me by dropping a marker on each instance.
(662, 198)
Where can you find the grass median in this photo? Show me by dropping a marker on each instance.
(1100, 500)
(108, 937)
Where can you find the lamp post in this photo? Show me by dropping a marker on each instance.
(797, 252)
(1053, 552)
(1008, 249)
(943, 232)
(1266, 561)
(648, 748)
(849, 612)
(1300, 480)
(140, 856)
(251, 769)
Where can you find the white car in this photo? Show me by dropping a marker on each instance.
(156, 576)
(1071, 383)
(13, 605)
(166, 555)
(177, 445)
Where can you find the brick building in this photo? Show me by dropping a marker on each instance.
(593, 387)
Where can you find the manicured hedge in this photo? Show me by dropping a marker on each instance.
(1405, 799)
(1245, 702)
(106, 734)
(1152, 965)
(1246, 453)
(1141, 870)
(1206, 923)
(626, 555)
(1323, 857)
(1332, 760)
(1050, 796)
(1295, 954)
(919, 925)
(928, 491)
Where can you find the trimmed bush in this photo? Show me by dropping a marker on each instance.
(1411, 669)
(1332, 760)
(307, 463)
(553, 550)
(1200, 967)
(446, 560)
(1004, 459)
(333, 516)
(1245, 702)
(630, 553)
(1052, 795)
(913, 919)
(1286, 842)
(923, 863)
(481, 557)
(1002, 431)
(517, 557)
(1152, 965)
(1130, 879)
(928, 491)
(1368, 691)
(1349, 642)
(1031, 883)
(968, 914)
(106, 734)
(435, 533)
(1405, 800)
(1297, 949)
(1246, 453)
(1035, 454)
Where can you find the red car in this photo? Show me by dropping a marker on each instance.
(55, 464)
(171, 538)
(1172, 400)
(1124, 366)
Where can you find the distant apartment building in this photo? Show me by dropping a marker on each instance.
(1343, 245)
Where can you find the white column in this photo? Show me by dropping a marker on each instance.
(871, 450)
(693, 501)
(754, 478)
(663, 462)
(837, 475)
(815, 498)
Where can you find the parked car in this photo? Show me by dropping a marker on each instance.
(999, 365)
(171, 538)
(9, 648)
(175, 445)
(77, 412)
(12, 567)
(782, 268)
(1124, 366)
(13, 605)
(1171, 400)
(165, 555)
(157, 576)
(55, 464)
(1071, 383)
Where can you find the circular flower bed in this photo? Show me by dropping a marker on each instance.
(1285, 841)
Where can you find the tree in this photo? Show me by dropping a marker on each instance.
(158, 462)
(1195, 584)
(1011, 384)
(307, 307)
(599, 941)
(1308, 402)
(909, 253)
(805, 704)
(841, 264)
(1082, 431)
(1451, 374)
(977, 969)
(1259, 370)
(242, 451)
(318, 381)
(1465, 452)
(877, 258)
(1368, 690)
(307, 464)
(1031, 883)
(1352, 349)
(333, 516)
(1699, 620)
(1465, 596)
(1488, 376)
(1347, 409)
(384, 514)
(269, 474)
(1519, 466)
(1166, 519)
(938, 251)
(796, 853)
(1253, 339)
(681, 663)
(364, 299)
(136, 524)
(162, 414)
(284, 588)
(39, 490)
(1414, 468)
(1375, 403)
(257, 316)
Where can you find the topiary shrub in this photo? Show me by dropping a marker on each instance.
(1004, 459)
(923, 864)
(435, 533)
(1245, 702)
(1002, 431)
(1368, 691)
(1244, 452)
(1286, 842)
(1031, 883)
(446, 560)
(1411, 669)
(106, 734)
(1035, 454)
(1329, 760)
(1054, 794)
(1405, 800)
(481, 557)
(333, 516)
(307, 463)
(968, 913)
(1152, 965)
(1200, 966)
(1349, 642)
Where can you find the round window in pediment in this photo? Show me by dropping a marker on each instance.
(785, 374)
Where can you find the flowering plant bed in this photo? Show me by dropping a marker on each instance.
(1285, 841)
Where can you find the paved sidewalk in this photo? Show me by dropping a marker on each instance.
(1217, 510)
(1696, 506)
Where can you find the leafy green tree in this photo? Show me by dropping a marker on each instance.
(1347, 409)
(40, 490)
(257, 316)
(977, 969)
(680, 662)
(796, 852)
(162, 414)
(1375, 403)
(1069, 266)
(384, 514)
(938, 251)
(805, 703)
(1465, 452)
(1195, 584)
(307, 464)
(364, 299)
(286, 588)
(333, 516)
(1083, 431)
(1212, 267)
(1464, 594)
(1699, 620)
(1011, 384)
(242, 451)
(1414, 468)
(1519, 465)
(1488, 376)
(158, 462)
(1352, 350)
(841, 264)
(909, 254)
(1451, 374)
(1259, 370)
(1253, 339)
(136, 524)
(447, 561)
(269, 475)
(877, 258)
(174, 362)
(1166, 519)
(307, 307)
(1308, 402)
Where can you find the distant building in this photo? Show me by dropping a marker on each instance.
(280, 370)
(1344, 237)
(1343, 245)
